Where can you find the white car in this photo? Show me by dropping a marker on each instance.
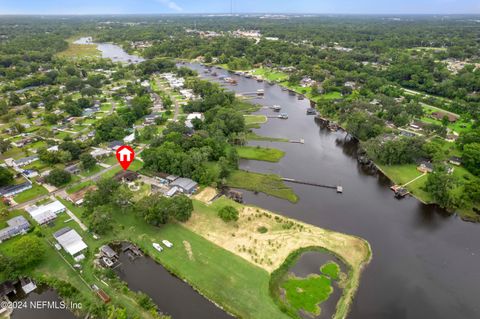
(157, 246)
(167, 243)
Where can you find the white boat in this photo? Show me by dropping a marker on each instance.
(157, 246)
(276, 108)
(167, 243)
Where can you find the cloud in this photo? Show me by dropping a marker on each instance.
(170, 4)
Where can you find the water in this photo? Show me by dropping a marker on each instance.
(310, 263)
(172, 295)
(37, 296)
(425, 261)
(112, 51)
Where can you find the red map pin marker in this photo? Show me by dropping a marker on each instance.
(125, 156)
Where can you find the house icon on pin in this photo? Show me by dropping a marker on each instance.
(125, 155)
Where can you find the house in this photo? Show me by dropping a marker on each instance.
(15, 189)
(191, 117)
(16, 226)
(100, 152)
(129, 138)
(77, 197)
(30, 173)
(73, 169)
(126, 176)
(25, 161)
(46, 213)
(71, 242)
(114, 145)
(425, 167)
(441, 115)
(172, 191)
(455, 160)
(451, 137)
(108, 252)
(53, 148)
(186, 185)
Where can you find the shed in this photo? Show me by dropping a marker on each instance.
(186, 185)
(70, 240)
(107, 251)
(455, 160)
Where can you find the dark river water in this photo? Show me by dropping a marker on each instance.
(426, 263)
(36, 299)
(172, 295)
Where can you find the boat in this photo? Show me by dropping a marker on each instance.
(108, 262)
(167, 243)
(248, 76)
(276, 108)
(311, 111)
(157, 246)
(214, 74)
(301, 97)
(271, 83)
(260, 92)
(284, 88)
(283, 116)
(259, 79)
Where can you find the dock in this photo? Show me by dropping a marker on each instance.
(338, 188)
(300, 141)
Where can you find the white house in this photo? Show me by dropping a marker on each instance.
(191, 117)
(70, 240)
(129, 138)
(46, 213)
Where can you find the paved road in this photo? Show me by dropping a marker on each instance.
(60, 190)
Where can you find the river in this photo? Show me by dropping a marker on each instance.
(111, 51)
(425, 262)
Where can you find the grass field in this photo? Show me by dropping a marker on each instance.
(307, 293)
(255, 137)
(276, 249)
(80, 51)
(331, 269)
(270, 74)
(255, 119)
(35, 191)
(260, 153)
(269, 184)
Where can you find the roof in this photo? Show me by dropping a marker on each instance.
(26, 160)
(108, 251)
(78, 196)
(43, 213)
(115, 144)
(455, 159)
(70, 240)
(14, 188)
(185, 183)
(127, 174)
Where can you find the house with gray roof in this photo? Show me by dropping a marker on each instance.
(186, 185)
(16, 226)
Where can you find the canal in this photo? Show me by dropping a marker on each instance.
(425, 261)
(172, 295)
(111, 51)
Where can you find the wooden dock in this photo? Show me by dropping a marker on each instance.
(338, 188)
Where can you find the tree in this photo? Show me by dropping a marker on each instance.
(181, 208)
(58, 177)
(471, 158)
(6, 177)
(72, 148)
(100, 221)
(440, 185)
(4, 145)
(228, 213)
(27, 251)
(88, 161)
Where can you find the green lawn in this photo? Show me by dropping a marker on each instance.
(255, 137)
(94, 170)
(307, 293)
(331, 269)
(255, 119)
(260, 153)
(34, 192)
(269, 184)
(79, 186)
(270, 74)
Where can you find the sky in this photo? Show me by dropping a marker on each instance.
(239, 6)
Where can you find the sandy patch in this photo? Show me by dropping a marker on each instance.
(188, 249)
(206, 195)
